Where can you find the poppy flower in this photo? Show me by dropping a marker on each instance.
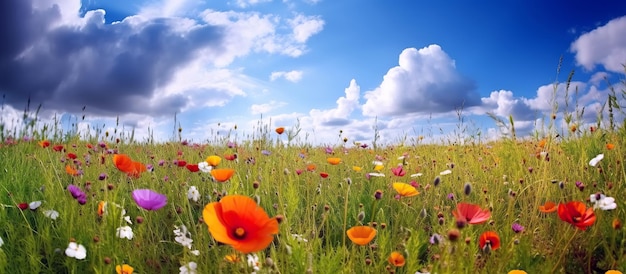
(181, 163)
(58, 148)
(310, 167)
(213, 160)
(548, 207)
(334, 160)
(280, 130)
(577, 214)
(230, 157)
(489, 240)
(71, 156)
(471, 213)
(396, 259)
(323, 174)
(124, 269)
(148, 199)
(128, 166)
(193, 168)
(44, 143)
(517, 271)
(398, 171)
(361, 235)
(223, 174)
(405, 190)
(101, 208)
(71, 171)
(610, 146)
(237, 220)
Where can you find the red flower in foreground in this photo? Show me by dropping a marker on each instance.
(577, 214)
(238, 221)
(193, 168)
(471, 213)
(489, 241)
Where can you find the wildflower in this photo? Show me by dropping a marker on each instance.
(125, 232)
(416, 175)
(334, 160)
(52, 214)
(602, 202)
(266, 152)
(357, 168)
(128, 166)
(75, 191)
(34, 205)
(467, 188)
(181, 236)
(280, 130)
(610, 146)
(548, 207)
(213, 160)
(613, 272)
(577, 214)
(75, 250)
(310, 167)
(71, 171)
(398, 171)
(616, 224)
(396, 259)
(329, 150)
(445, 172)
(230, 157)
(189, 268)
(58, 148)
(232, 258)
(124, 269)
(193, 167)
(222, 175)
(375, 174)
(378, 167)
(102, 176)
(595, 160)
(435, 239)
(22, 206)
(405, 190)
(517, 228)
(44, 143)
(517, 272)
(1, 242)
(193, 194)
(361, 235)
(101, 208)
(148, 199)
(471, 213)
(238, 221)
(489, 241)
(323, 174)
(180, 163)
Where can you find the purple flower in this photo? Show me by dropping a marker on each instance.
(451, 196)
(102, 176)
(517, 228)
(75, 191)
(150, 167)
(329, 150)
(231, 144)
(148, 199)
(161, 162)
(265, 152)
(435, 239)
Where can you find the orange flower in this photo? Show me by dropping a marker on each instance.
(396, 259)
(542, 143)
(548, 207)
(310, 167)
(610, 146)
(405, 190)
(238, 221)
(280, 130)
(44, 143)
(128, 166)
(213, 160)
(334, 161)
(616, 224)
(101, 208)
(489, 240)
(232, 258)
(613, 272)
(577, 214)
(516, 271)
(71, 171)
(471, 213)
(361, 235)
(230, 157)
(223, 174)
(124, 269)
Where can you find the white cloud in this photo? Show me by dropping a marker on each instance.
(426, 81)
(292, 76)
(248, 3)
(339, 116)
(265, 108)
(605, 45)
(547, 96)
(305, 26)
(502, 103)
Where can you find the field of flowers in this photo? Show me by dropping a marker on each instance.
(109, 205)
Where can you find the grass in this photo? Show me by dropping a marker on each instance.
(511, 178)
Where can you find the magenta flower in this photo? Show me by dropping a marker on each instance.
(148, 199)
(398, 171)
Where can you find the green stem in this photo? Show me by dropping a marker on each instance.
(558, 262)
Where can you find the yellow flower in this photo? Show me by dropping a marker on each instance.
(213, 160)
(124, 269)
(378, 167)
(356, 168)
(517, 272)
(405, 190)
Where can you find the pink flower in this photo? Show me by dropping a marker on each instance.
(398, 171)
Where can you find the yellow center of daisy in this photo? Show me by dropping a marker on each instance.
(240, 233)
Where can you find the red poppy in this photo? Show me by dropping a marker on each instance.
(324, 174)
(181, 163)
(489, 240)
(577, 214)
(58, 148)
(44, 143)
(238, 221)
(230, 157)
(280, 130)
(193, 168)
(71, 156)
(396, 259)
(127, 165)
(471, 213)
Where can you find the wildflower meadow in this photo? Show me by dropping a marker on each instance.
(552, 202)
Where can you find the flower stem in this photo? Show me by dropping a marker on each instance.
(558, 262)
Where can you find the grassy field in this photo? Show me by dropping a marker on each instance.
(547, 204)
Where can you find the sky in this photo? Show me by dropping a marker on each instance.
(337, 69)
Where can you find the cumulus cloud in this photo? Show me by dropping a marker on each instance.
(548, 96)
(291, 76)
(424, 82)
(503, 103)
(339, 116)
(305, 26)
(605, 45)
(265, 108)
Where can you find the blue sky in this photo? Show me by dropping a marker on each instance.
(406, 67)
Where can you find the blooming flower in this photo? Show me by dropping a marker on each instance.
(34, 205)
(193, 194)
(396, 259)
(253, 261)
(361, 235)
(125, 232)
(181, 236)
(445, 172)
(595, 160)
(52, 214)
(213, 160)
(223, 174)
(516, 271)
(333, 160)
(548, 207)
(602, 202)
(148, 199)
(124, 269)
(193, 167)
(189, 268)
(517, 228)
(398, 171)
(128, 166)
(238, 221)
(405, 190)
(75, 250)
(577, 214)
(280, 130)
(489, 241)
(471, 213)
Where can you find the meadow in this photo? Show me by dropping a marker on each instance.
(105, 203)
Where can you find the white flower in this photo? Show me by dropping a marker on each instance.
(181, 236)
(193, 194)
(253, 261)
(52, 214)
(195, 252)
(377, 163)
(189, 268)
(127, 219)
(34, 205)
(376, 174)
(1, 242)
(445, 172)
(603, 202)
(299, 238)
(205, 167)
(596, 160)
(75, 250)
(416, 175)
(125, 232)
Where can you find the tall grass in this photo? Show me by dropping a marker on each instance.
(511, 177)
